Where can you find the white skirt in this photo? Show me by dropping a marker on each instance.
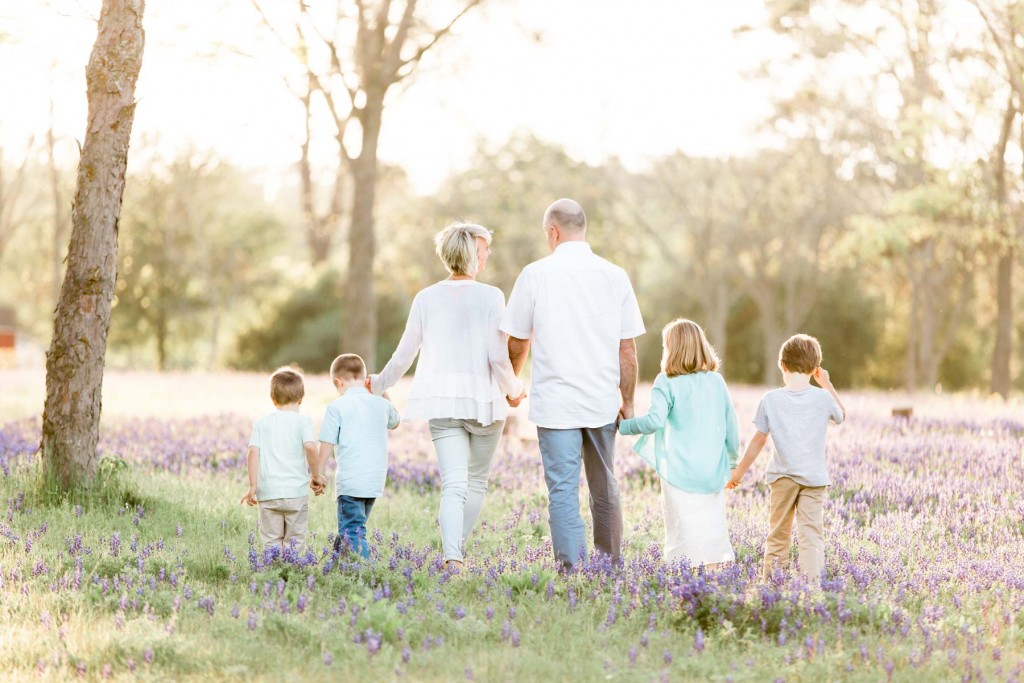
(695, 526)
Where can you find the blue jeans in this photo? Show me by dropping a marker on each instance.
(352, 514)
(563, 451)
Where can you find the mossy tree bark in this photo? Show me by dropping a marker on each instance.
(74, 363)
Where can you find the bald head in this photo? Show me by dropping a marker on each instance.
(567, 215)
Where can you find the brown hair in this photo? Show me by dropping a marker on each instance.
(348, 366)
(801, 353)
(686, 349)
(286, 386)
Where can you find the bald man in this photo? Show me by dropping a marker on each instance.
(580, 316)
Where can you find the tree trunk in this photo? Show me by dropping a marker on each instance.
(910, 377)
(1001, 381)
(1001, 352)
(717, 315)
(359, 326)
(773, 338)
(74, 363)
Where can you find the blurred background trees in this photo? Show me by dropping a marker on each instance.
(883, 214)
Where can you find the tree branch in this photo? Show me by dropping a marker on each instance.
(1013, 70)
(438, 35)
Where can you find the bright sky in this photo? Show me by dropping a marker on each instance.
(631, 79)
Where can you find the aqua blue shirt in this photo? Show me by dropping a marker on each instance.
(357, 423)
(281, 437)
(696, 436)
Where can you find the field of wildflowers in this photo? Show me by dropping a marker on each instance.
(160, 579)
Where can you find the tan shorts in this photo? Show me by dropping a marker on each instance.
(283, 521)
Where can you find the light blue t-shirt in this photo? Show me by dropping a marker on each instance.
(695, 435)
(797, 422)
(357, 423)
(281, 436)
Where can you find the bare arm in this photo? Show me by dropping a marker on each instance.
(313, 462)
(326, 451)
(517, 350)
(757, 442)
(252, 457)
(822, 378)
(627, 376)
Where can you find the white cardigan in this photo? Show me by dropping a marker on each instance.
(464, 370)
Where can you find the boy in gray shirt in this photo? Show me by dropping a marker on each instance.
(797, 418)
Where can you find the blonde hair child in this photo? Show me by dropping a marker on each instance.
(690, 437)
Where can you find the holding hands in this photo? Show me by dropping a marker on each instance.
(318, 484)
(514, 402)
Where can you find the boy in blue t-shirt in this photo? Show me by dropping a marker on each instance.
(281, 449)
(797, 417)
(355, 430)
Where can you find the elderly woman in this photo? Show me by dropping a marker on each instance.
(463, 380)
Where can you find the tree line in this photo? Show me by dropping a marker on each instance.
(884, 208)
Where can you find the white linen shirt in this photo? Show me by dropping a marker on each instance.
(464, 370)
(576, 307)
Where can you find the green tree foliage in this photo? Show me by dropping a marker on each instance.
(301, 327)
(197, 248)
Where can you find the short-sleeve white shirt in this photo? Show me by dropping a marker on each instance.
(575, 307)
(281, 437)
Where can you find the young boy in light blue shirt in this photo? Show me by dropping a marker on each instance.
(280, 450)
(355, 430)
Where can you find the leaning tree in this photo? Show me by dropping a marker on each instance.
(352, 54)
(74, 363)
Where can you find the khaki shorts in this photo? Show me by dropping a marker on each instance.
(283, 521)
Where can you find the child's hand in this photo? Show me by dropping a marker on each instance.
(821, 376)
(514, 402)
(250, 497)
(368, 383)
(318, 484)
(734, 479)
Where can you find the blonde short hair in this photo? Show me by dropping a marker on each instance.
(686, 349)
(286, 386)
(801, 353)
(456, 247)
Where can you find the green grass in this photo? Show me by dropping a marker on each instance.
(194, 530)
(63, 628)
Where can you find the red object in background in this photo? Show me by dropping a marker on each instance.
(6, 340)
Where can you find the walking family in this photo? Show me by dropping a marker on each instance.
(578, 316)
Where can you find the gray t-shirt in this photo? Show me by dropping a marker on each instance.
(797, 421)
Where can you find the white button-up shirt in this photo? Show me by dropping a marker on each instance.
(575, 307)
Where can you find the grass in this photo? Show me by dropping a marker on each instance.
(925, 582)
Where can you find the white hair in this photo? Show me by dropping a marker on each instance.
(456, 247)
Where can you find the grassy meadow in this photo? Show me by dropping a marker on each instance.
(157, 576)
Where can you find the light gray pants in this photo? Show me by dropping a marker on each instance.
(464, 450)
(563, 451)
